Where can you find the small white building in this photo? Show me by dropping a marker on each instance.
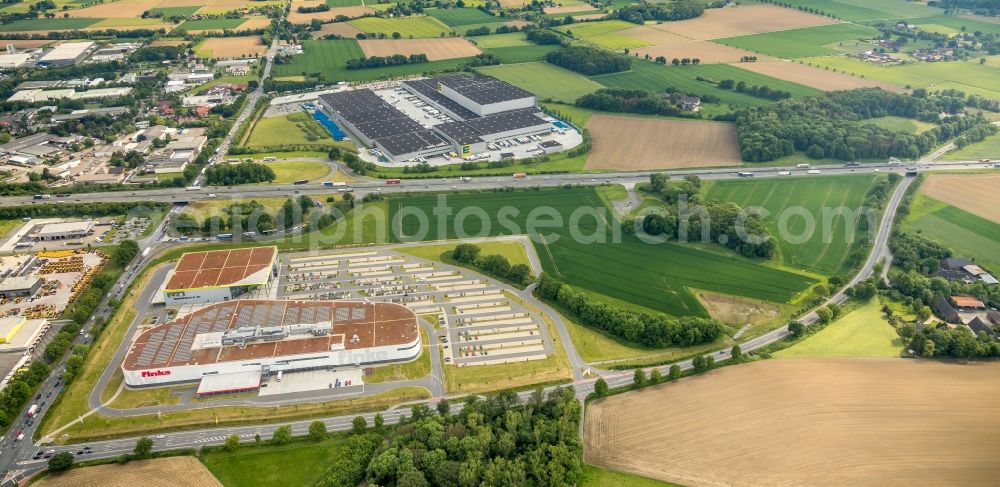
(65, 230)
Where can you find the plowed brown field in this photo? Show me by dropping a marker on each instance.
(643, 143)
(718, 23)
(817, 422)
(161, 472)
(974, 194)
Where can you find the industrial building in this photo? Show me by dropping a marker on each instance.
(14, 60)
(64, 230)
(479, 111)
(66, 54)
(229, 346)
(20, 287)
(219, 275)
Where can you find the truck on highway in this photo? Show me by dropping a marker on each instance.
(32, 410)
(745, 174)
(985, 160)
(465, 179)
(392, 181)
(42, 196)
(19, 436)
(249, 234)
(193, 188)
(301, 181)
(813, 171)
(802, 166)
(146, 251)
(520, 175)
(224, 236)
(212, 195)
(279, 376)
(333, 184)
(270, 159)
(784, 173)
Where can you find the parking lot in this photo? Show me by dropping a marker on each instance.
(477, 321)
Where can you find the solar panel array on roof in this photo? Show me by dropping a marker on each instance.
(477, 129)
(400, 144)
(483, 90)
(369, 113)
(428, 88)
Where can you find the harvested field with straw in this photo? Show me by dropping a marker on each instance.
(821, 422)
(342, 29)
(705, 51)
(160, 472)
(352, 12)
(815, 77)
(233, 47)
(975, 194)
(638, 143)
(569, 9)
(736, 21)
(118, 10)
(653, 36)
(255, 23)
(435, 49)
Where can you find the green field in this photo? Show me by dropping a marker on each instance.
(863, 332)
(956, 24)
(824, 252)
(512, 251)
(47, 24)
(456, 17)
(328, 58)
(210, 24)
(900, 124)
(646, 75)
(798, 43)
(964, 233)
(522, 54)
(415, 27)
(988, 148)
(287, 172)
(655, 276)
(545, 80)
(176, 11)
(617, 42)
(294, 129)
(511, 39)
(272, 465)
(588, 29)
(867, 9)
(604, 477)
(967, 76)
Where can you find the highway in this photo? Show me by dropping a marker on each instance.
(17, 459)
(175, 195)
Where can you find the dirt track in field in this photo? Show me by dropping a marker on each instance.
(705, 51)
(435, 49)
(161, 472)
(569, 9)
(818, 78)
(975, 194)
(637, 143)
(816, 422)
(719, 23)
